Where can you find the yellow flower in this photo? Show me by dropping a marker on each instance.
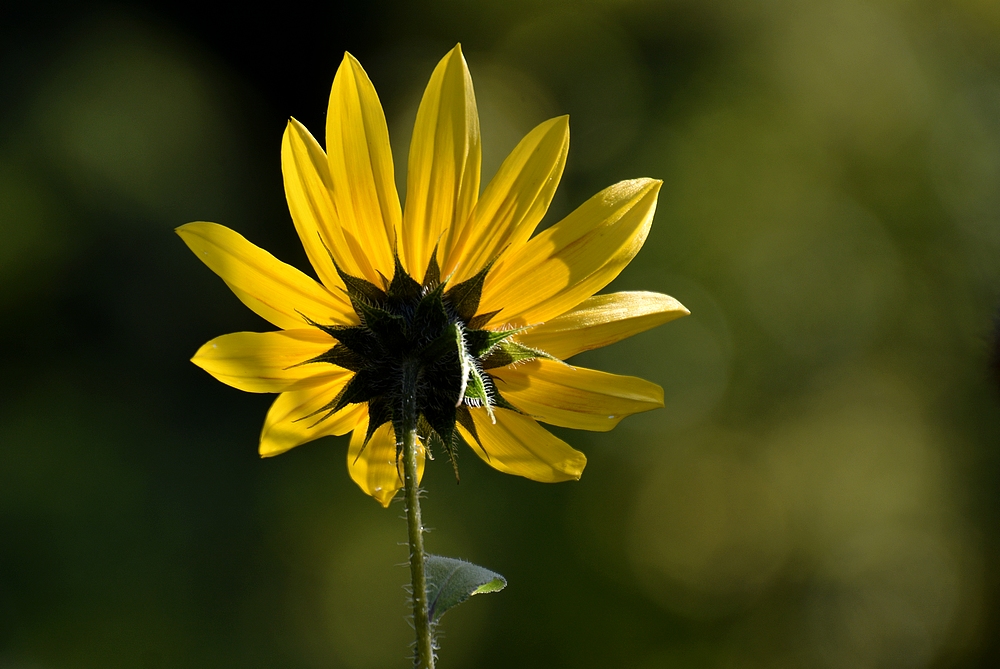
(454, 281)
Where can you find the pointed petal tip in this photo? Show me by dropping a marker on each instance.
(456, 53)
(659, 398)
(194, 226)
(348, 63)
(186, 228)
(677, 307)
(556, 123)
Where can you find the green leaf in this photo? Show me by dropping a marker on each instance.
(450, 582)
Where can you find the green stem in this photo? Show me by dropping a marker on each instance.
(418, 580)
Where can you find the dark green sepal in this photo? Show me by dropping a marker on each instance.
(441, 417)
(430, 316)
(480, 321)
(508, 352)
(379, 413)
(361, 388)
(451, 448)
(464, 297)
(339, 355)
(357, 338)
(443, 344)
(403, 288)
(481, 342)
(398, 430)
(427, 433)
(388, 329)
(357, 288)
(432, 277)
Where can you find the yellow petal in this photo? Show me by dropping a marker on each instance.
(442, 182)
(364, 191)
(577, 397)
(516, 444)
(601, 320)
(575, 258)
(309, 191)
(515, 200)
(373, 466)
(289, 424)
(278, 292)
(267, 362)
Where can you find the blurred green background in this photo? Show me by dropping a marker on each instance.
(821, 490)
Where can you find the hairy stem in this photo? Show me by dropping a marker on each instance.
(424, 658)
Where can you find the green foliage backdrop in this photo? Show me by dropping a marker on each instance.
(821, 489)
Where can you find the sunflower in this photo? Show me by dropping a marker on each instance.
(451, 291)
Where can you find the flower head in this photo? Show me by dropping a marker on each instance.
(451, 290)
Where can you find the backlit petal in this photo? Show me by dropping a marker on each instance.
(266, 362)
(289, 423)
(515, 200)
(373, 466)
(364, 190)
(277, 292)
(601, 320)
(567, 263)
(516, 444)
(576, 397)
(442, 182)
(309, 191)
